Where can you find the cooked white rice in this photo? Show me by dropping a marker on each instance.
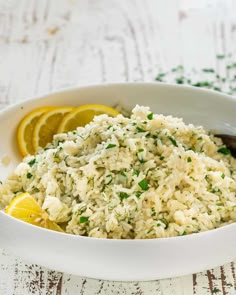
(147, 176)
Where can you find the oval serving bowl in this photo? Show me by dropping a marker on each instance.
(124, 260)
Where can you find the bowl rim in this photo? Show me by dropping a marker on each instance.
(111, 85)
(192, 236)
(117, 84)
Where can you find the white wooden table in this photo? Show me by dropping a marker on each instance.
(52, 44)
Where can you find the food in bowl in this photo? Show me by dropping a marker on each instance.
(37, 128)
(147, 176)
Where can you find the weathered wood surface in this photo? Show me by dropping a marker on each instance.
(52, 44)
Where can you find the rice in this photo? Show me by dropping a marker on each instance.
(147, 176)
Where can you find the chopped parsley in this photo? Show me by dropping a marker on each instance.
(219, 204)
(215, 290)
(139, 129)
(138, 194)
(215, 190)
(142, 161)
(136, 172)
(220, 56)
(208, 70)
(154, 212)
(159, 77)
(110, 146)
(83, 219)
(189, 159)
(123, 173)
(110, 180)
(29, 175)
(224, 151)
(123, 195)
(203, 84)
(143, 184)
(173, 141)
(163, 220)
(32, 162)
(150, 116)
(223, 175)
(162, 158)
(56, 155)
(179, 80)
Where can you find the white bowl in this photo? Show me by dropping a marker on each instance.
(122, 259)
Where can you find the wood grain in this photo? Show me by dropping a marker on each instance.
(52, 44)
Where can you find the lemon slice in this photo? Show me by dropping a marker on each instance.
(25, 208)
(47, 126)
(26, 128)
(83, 115)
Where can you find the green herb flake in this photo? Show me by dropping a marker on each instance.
(215, 190)
(184, 233)
(189, 159)
(139, 129)
(220, 56)
(179, 80)
(32, 162)
(159, 77)
(83, 219)
(140, 150)
(60, 141)
(224, 151)
(154, 212)
(216, 290)
(217, 88)
(123, 195)
(223, 175)
(110, 146)
(29, 175)
(136, 172)
(208, 70)
(173, 141)
(219, 204)
(142, 161)
(162, 158)
(163, 220)
(109, 127)
(150, 116)
(143, 184)
(123, 173)
(110, 180)
(138, 194)
(203, 84)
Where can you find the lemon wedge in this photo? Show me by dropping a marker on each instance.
(25, 208)
(47, 126)
(26, 128)
(82, 115)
